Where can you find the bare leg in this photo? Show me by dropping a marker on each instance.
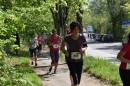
(75, 85)
(56, 65)
(52, 64)
(35, 60)
(71, 80)
(31, 58)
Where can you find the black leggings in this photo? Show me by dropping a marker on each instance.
(125, 77)
(75, 70)
(40, 47)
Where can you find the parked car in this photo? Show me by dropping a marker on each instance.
(92, 35)
(98, 37)
(124, 41)
(107, 38)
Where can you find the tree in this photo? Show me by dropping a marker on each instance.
(109, 15)
(60, 9)
(117, 14)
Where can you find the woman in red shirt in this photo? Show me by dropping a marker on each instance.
(39, 43)
(124, 57)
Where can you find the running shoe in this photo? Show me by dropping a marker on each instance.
(35, 64)
(32, 63)
(50, 69)
(55, 72)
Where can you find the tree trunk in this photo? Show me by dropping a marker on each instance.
(79, 17)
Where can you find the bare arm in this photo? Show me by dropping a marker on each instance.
(83, 48)
(120, 57)
(49, 41)
(62, 48)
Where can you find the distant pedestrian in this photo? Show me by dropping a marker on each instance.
(39, 43)
(54, 44)
(124, 57)
(47, 42)
(43, 41)
(88, 35)
(17, 42)
(68, 31)
(33, 43)
(74, 55)
(45, 37)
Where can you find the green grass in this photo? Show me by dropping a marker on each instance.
(62, 54)
(33, 78)
(21, 64)
(102, 69)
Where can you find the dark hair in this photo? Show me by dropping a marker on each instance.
(54, 30)
(128, 37)
(75, 24)
(31, 34)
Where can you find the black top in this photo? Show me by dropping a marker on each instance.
(74, 46)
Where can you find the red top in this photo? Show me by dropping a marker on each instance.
(126, 48)
(39, 40)
(68, 31)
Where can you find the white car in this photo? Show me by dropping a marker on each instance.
(84, 30)
(124, 41)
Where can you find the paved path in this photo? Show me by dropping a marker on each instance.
(62, 76)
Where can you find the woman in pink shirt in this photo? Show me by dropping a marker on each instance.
(124, 57)
(54, 43)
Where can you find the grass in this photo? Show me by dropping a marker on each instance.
(21, 63)
(102, 69)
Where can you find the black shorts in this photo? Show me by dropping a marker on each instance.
(32, 52)
(40, 47)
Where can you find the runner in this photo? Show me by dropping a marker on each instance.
(67, 47)
(39, 43)
(54, 43)
(17, 42)
(33, 46)
(124, 57)
(77, 45)
(43, 41)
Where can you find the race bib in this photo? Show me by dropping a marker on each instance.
(75, 55)
(55, 46)
(128, 66)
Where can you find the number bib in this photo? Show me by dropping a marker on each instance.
(74, 55)
(55, 46)
(127, 66)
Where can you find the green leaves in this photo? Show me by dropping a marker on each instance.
(0, 55)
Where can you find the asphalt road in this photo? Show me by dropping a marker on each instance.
(111, 47)
(107, 51)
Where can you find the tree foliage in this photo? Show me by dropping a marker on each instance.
(32, 16)
(107, 16)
